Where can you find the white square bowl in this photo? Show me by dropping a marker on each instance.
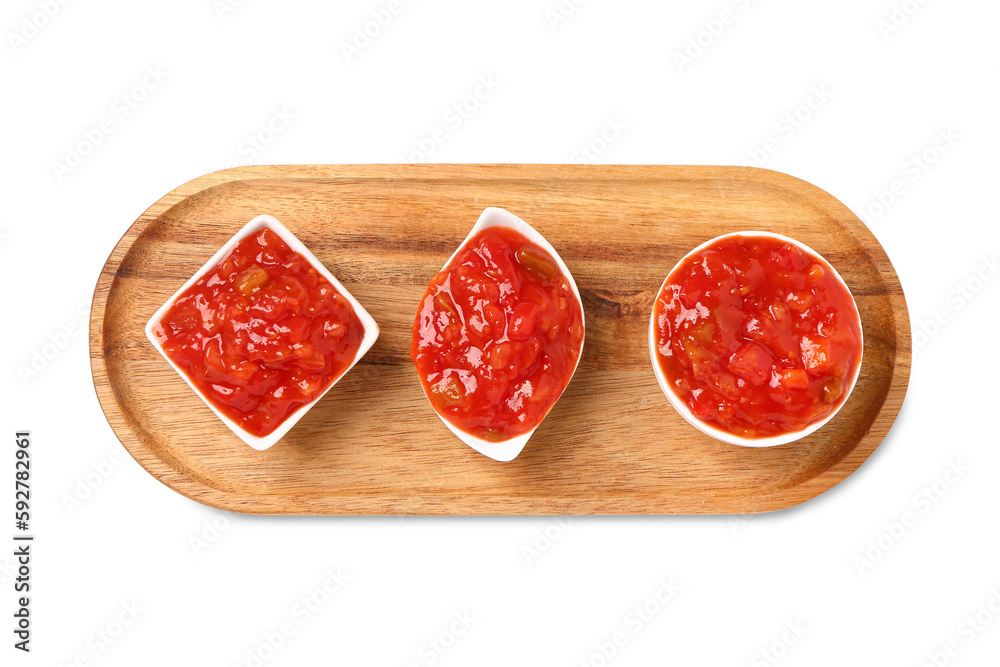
(371, 330)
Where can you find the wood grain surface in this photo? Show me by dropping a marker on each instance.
(373, 445)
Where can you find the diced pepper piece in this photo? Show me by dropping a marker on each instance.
(448, 390)
(251, 279)
(444, 300)
(831, 390)
(536, 261)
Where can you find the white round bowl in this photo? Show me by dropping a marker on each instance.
(707, 428)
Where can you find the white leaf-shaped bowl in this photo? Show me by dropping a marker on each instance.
(507, 450)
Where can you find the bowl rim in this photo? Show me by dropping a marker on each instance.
(717, 433)
(368, 324)
(508, 450)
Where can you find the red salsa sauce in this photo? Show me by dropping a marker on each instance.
(262, 333)
(756, 336)
(497, 336)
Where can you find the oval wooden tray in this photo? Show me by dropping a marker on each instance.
(373, 445)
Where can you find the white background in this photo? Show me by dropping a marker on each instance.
(858, 586)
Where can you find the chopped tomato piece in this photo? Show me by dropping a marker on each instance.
(793, 379)
(752, 362)
(816, 354)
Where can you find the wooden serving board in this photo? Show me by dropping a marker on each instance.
(373, 445)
